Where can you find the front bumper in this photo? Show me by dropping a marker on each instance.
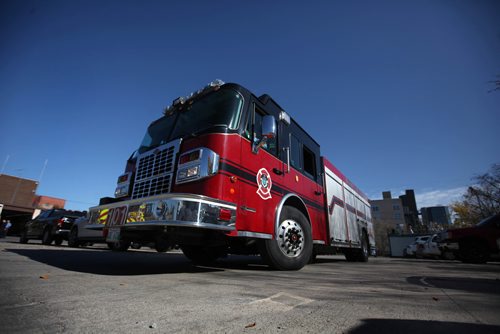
(182, 210)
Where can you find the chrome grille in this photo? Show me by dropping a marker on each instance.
(155, 170)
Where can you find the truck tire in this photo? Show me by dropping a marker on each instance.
(47, 236)
(473, 252)
(364, 252)
(292, 248)
(203, 255)
(162, 245)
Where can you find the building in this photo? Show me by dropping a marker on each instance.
(388, 217)
(47, 203)
(436, 217)
(19, 202)
(410, 208)
(389, 210)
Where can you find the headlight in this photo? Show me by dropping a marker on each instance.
(123, 185)
(197, 164)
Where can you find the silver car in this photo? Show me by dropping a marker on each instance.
(411, 249)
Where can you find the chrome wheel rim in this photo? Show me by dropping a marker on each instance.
(290, 238)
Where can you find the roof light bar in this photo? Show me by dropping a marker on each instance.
(214, 85)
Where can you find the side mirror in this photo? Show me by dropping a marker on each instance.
(268, 127)
(268, 132)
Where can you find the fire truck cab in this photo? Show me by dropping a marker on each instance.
(224, 171)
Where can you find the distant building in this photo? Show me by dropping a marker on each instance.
(410, 208)
(18, 201)
(436, 215)
(388, 217)
(389, 210)
(47, 203)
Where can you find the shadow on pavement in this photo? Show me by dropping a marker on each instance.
(421, 326)
(132, 262)
(476, 285)
(112, 263)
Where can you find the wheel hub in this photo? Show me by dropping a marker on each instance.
(290, 238)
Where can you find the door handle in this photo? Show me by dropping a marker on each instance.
(277, 171)
(317, 193)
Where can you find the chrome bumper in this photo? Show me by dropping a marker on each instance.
(183, 210)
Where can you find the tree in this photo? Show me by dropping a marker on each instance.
(481, 199)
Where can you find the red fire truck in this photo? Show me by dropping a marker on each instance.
(224, 171)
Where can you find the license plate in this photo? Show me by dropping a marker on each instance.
(113, 235)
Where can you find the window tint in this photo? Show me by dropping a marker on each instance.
(309, 162)
(295, 152)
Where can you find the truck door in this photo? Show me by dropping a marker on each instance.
(261, 177)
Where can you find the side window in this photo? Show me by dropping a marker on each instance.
(302, 158)
(295, 152)
(309, 162)
(270, 145)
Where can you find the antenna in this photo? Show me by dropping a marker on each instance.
(43, 170)
(5, 164)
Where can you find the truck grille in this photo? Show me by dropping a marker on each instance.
(155, 170)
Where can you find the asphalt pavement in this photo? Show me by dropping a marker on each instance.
(57, 289)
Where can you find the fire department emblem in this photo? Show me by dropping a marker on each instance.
(265, 184)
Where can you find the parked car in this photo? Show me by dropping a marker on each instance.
(83, 233)
(411, 249)
(50, 225)
(429, 248)
(475, 244)
(79, 235)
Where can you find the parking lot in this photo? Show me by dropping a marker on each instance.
(54, 289)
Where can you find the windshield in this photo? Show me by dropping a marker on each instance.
(221, 108)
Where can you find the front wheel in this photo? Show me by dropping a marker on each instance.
(292, 247)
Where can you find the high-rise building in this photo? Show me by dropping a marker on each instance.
(410, 207)
(439, 215)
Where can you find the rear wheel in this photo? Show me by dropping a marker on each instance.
(162, 245)
(47, 236)
(359, 254)
(292, 248)
(364, 252)
(73, 238)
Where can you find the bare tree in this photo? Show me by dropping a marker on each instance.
(481, 199)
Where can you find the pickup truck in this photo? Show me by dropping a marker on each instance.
(475, 244)
(50, 225)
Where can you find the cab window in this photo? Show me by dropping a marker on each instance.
(255, 126)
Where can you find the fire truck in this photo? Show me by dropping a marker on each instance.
(226, 172)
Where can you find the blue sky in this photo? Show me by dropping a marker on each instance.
(395, 92)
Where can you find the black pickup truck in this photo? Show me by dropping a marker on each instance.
(50, 225)
(475, 244)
